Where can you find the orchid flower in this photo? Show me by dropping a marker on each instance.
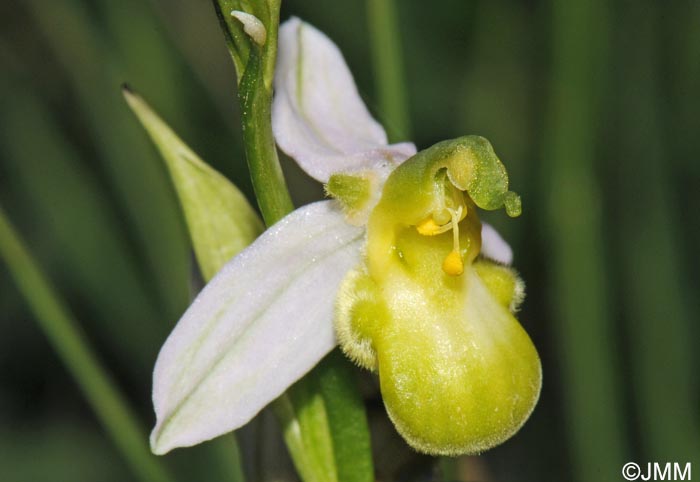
(397, 268)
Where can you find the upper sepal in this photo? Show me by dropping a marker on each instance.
(318, 116)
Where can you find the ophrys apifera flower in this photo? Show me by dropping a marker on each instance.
(396, 259)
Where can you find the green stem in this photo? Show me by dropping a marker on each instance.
(388, 67)
(255, 66)
(73, 349)
(579, 282)
(265, 171)
(322, 415)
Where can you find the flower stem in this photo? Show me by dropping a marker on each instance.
(265, 171)
(388, 67)
(73, 349)
(322, 415)
(255, 66)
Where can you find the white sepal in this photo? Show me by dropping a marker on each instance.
(318, 117)
(257, 327)
(493, 246)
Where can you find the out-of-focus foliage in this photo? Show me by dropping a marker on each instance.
(593, 106)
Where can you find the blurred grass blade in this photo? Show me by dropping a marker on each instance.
(137, 176)
(63, 197)
(389, 74)
(152, 48)
(658, 316)
(72, 348)
(496, 110)
(221, 222)
(579, 279)
(146, 56)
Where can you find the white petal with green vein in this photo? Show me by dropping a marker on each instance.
(257, 327)
(318, 116)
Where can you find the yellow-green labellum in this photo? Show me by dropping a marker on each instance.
(458, 373)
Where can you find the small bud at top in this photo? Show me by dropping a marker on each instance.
(252, 26)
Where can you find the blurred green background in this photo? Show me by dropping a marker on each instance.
(593, 106)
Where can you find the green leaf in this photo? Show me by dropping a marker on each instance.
(307, 431)
(347, 419)
(221, 222)
(384, 35)
(325, 426)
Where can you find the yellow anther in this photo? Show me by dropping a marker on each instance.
(430, 228)
(453, 264)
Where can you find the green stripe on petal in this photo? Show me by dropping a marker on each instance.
(318, 116)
